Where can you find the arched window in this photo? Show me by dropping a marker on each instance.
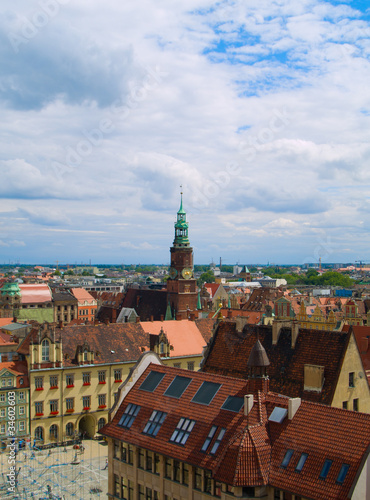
(39, 433)
(45, 350)
(69, 429)
(53, 432)
(101, 423)
(85, 355)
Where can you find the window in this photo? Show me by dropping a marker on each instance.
(191, 366)
(53, 381)
(117, 486)
(208, 481)
(154, 423)
(39, 433)
(209, 438)
(176, 471)
(21, 395)
(182, 431)
(301, 462)
(325, 469)
(117, 375)
(86, 402)
(198, 479)
(39, 383)
(177, 386)
(351, 379)
(218, 441)
(3, 413)
(69, 429)
(2, 428)
(156, 464)
(85, 355)
(10, 382)
(45, 350)
(22, 426)
(70, 404)
(206, 393)
(129, 415)
(345, 405)
(151, 382)
(233, 403)
(53, 432)
(39, 408)
(167, 468)
(101, 377)
(149, 461)
(53, 406)
(141, 458)
(21, 410)
(286, 459)
(177, 365)
(2, 397)
(86, 378)
(342, 474)
(70, 380)
(102, 400)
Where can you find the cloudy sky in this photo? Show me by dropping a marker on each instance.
(259, 109)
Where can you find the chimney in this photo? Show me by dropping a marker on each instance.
(106, 321)
(151, 318)
(192, 317)
(137, 319)
(179, 316)
(248, 403)
(162, 317)
(293, 405)
(14, 319)
(60, 324)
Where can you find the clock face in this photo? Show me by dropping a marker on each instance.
(173, 273)
(187, 273)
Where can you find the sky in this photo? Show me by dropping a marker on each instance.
(259, 110)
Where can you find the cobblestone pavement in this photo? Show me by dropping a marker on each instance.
(57, 473)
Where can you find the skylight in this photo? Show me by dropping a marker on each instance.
(301, 462)
(342, 474)
(233, 403)
(151, 382)
(218, 441)
(177, 386)
(278, 414)
(209, 438)
(286, 459)
(206, 393)
(182, 431)
(325, 469)
(154, 423)
(129, 415)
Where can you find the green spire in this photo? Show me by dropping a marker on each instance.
(168, 315)
(181, 229)
(229, 303)
(199, 304)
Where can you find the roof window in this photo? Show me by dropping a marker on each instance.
(218, 441)
(342, 474)
(154, 423)
(129, 415)
(233, 403)
(278, 414)
(209, 438)
(325, 469)
(177, 386)
(301, 462)
(151, 382)
(206, 393)
(286, 459)
(182, 432)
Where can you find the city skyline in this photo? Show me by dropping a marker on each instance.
(260, 111)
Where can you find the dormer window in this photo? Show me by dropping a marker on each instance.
(85, 355)
(45, 348)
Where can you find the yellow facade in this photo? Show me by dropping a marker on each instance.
(352, 391)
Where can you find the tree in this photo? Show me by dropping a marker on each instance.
(207, 277)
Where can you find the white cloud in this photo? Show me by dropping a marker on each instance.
(103, 120)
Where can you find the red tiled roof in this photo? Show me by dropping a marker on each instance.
(229, 351)
(253, 447)
(82, 295)
(18, 368)
(184, 336)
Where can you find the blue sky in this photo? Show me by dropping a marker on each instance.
(259, 109)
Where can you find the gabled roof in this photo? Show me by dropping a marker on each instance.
(252, 447)
(184, 336)
(82, 295)
(229, 351)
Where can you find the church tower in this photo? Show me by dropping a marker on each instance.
(181, 285)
